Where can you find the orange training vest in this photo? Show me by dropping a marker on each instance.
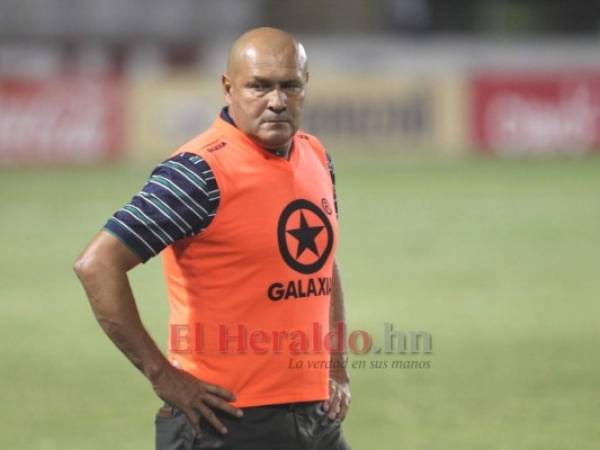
(249, 296)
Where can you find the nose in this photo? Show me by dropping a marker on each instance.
(277, 101)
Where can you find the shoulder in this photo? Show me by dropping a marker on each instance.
(205, 143)
(314, 142)
(188, 177)
(311, 139)
(316, 145)
(179, 200)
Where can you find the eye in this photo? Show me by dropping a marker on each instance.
(292, 87)
(257, 86)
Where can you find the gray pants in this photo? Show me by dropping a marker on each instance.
(290, 426)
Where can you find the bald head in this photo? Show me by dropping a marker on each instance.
(265, 86)
(265, 44)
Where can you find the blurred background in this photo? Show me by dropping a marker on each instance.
(465, 136)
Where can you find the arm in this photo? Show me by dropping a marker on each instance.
(171, 206)
(102, 269)
(339, 382)
(339, 379)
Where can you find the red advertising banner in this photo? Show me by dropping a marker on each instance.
(64, 120)
(536, 113)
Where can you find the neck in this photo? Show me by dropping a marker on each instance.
(283, 151)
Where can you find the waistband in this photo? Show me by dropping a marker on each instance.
(167, 409)
(290, 406)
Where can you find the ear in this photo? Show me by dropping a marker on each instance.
(306, 76)
(226, 83)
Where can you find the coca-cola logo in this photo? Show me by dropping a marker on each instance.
(515, 122)
(58, 120)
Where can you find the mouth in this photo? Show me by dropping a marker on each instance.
(276, 121)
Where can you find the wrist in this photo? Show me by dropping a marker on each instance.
(339, 367)
(341, 376)
(156, 370)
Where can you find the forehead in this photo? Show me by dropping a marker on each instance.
(270, 64)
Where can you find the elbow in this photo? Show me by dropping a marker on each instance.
(85, 266)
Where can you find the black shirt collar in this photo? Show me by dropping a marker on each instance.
(226, 117)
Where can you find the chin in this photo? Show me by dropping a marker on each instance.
(275, 140)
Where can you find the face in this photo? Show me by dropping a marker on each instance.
(265, 95)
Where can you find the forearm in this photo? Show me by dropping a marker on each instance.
(109, 292)
(337, 316)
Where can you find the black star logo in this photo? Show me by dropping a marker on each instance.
(305, 235)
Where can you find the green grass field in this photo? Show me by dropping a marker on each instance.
(498, 260)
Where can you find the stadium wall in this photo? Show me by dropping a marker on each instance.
(438, 97)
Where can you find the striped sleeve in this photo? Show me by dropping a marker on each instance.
(178, 201)
(332, 174)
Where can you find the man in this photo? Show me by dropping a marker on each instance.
(246, 218)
